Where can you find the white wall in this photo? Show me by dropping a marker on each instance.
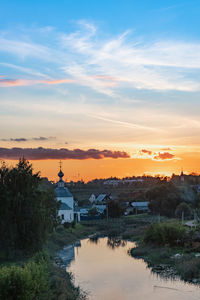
(68, 215)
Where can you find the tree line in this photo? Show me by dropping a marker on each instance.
(28, 210)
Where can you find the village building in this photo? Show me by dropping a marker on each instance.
(140, 206)
(103, 198)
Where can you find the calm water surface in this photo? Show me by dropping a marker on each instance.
(109, 273)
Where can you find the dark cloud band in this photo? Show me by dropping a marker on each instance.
(63, 153)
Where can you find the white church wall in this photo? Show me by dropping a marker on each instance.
(66, 215)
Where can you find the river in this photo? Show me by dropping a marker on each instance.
(106, 271)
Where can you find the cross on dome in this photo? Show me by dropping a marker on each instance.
(60, 174)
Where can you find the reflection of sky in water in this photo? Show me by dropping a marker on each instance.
(111, 274)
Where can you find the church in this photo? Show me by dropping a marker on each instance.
(67, 211)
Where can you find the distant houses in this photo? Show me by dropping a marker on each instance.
(116, 182)
(99, 203)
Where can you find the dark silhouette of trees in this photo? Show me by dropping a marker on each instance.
(164, 198)
(183, 208)
(28, 210)
(93, 212)
(114, 209)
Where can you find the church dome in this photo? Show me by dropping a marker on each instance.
(60, 174)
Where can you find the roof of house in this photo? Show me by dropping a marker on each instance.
(100, 208)
(64, 206)
(101, 197)
(140, 204)
(77, 209)
(62, 192)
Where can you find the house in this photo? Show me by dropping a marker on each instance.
(92, 198)
(84, 211)
(102, 198)
(100, 208)
(67, 211)
(140, 206)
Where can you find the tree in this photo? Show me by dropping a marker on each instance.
(183, 208)
(93, 212)
(27, 212)
(114, 209)
(164, 198)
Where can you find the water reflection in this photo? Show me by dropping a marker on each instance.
(114, 242)
(103, 268)
(94, 239)
(67, 254)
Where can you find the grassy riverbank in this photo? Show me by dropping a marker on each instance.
(171, 249)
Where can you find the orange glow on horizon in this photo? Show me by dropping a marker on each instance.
(103, 168)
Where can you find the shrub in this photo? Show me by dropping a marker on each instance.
(28, 282)
(165, 233)
(189, 268)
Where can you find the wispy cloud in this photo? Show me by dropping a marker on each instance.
(4, 82)
(125, 124)
(109, 65)
(22, 139)
(63, 153)
(140, 65)
(35, 73)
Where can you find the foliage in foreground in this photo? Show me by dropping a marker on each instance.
(27, 282)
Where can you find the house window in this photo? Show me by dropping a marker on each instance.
(62, 217)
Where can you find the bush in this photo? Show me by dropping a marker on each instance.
(165, 233)
(28, 282)
(189, 268)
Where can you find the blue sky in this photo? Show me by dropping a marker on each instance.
(121, 75)
(148, 17)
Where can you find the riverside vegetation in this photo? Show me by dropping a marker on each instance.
(171, 249)
(30, 236)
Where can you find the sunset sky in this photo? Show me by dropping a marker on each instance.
(112, 88)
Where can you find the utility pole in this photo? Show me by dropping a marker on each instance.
(107, 200)
(182, 217)
(159, 218)
(107, 211)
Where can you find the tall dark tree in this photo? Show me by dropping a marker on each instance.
(27, 212)
(114, 209)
